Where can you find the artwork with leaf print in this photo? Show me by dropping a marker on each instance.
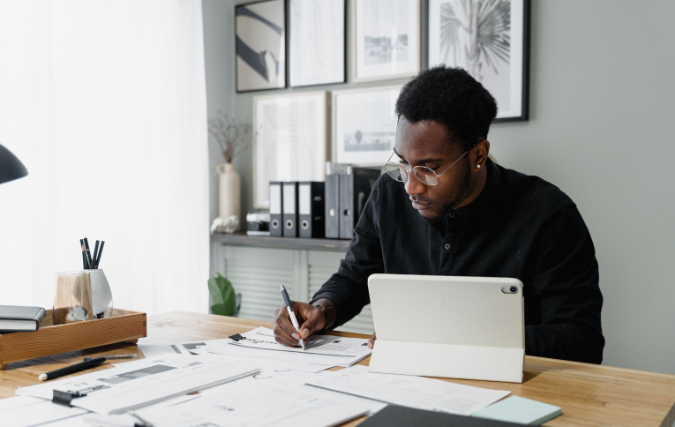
(489, 39)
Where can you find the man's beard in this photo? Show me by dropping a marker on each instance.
(463, 190)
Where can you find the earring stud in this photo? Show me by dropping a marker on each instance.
(478, 166)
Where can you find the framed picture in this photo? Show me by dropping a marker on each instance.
(316, 33)
(261, 45)
(386, 39)
(290, 142)
(494, 48)
(364, 125)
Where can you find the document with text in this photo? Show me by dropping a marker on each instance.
(258, 404)
(415, 392)
(320, 349)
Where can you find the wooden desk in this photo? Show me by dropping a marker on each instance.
(590, 395)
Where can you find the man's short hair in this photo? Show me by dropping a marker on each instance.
(452, 97)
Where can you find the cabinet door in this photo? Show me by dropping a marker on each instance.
(321, 266)
(256, 273)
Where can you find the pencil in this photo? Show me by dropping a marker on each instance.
(87, 265)
(84, 257)
(89, 260)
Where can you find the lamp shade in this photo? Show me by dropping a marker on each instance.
(11, 167)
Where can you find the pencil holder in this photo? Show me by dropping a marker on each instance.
(101, 295)
(73, 301)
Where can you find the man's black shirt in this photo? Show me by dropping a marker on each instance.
(519, 227)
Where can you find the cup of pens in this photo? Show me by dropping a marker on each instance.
(102, 301)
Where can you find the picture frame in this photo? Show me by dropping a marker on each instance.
(317, 40)
(260, 35)
(290, 140)
(364, 125)
(502, 60)
(375, 55)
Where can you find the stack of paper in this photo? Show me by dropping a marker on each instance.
(145, 382)
(403, 390)
(257, 404)
(24, 411)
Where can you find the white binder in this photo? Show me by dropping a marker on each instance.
(448, 326)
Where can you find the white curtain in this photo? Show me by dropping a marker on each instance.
(104, 102)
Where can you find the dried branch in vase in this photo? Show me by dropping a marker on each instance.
(233, 136)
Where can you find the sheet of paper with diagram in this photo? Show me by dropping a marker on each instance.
(141, 383)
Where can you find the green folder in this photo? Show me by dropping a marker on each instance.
(519, 410)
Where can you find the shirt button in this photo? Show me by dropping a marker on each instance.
(447, 246)
(451, 214)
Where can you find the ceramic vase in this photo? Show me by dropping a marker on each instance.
(230, 192)
(101, 295)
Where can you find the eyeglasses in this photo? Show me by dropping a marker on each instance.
(423, 174)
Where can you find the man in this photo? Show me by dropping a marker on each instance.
(457, 213)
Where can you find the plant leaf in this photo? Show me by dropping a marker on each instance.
(223, 295)
(219, 309)
(214, 290)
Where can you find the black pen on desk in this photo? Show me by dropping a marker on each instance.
(291, 313)
(77, 367)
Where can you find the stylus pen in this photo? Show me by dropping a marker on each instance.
(72, 369)
(291, 314)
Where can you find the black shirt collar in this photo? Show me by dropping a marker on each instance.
(483, 199)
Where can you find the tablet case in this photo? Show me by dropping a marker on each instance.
(446, 326)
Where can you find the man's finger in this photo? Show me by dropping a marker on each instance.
(283, 329)
(314, 322)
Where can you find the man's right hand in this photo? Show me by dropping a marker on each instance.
(310, 318)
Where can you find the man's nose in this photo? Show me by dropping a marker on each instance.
(413, 186)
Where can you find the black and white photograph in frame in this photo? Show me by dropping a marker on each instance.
(290, 140)
(364, 125)
(386, 39)
(316, 32)
(490, 40)
(261, 45)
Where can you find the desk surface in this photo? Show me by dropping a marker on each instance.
(590, 395)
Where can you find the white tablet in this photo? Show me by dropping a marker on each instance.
(448, 326)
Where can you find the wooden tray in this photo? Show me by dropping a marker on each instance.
(50, 339)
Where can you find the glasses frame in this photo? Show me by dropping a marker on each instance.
(419, 168)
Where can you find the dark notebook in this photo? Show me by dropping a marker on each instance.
(16, 318)
(401, 416)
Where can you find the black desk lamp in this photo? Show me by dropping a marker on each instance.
(11, 167)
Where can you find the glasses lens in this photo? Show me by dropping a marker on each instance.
(395, 171)
(426, 176)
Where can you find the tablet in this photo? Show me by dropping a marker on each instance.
(448, 326)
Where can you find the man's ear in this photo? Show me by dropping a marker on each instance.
(479, 155)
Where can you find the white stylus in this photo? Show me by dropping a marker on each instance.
(291, 314)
